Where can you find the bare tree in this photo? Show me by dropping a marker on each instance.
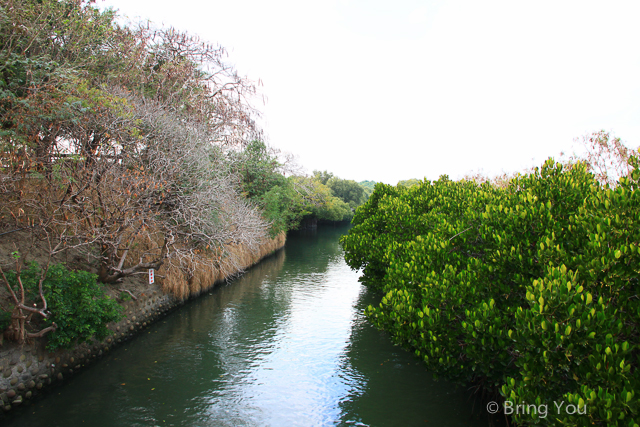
(606, 156)
(19, 319)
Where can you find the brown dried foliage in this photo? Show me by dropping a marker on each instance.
(199, 274)
(120, 146)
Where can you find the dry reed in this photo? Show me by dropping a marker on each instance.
(191, 277)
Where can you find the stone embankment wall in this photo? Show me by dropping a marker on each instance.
(26, 370)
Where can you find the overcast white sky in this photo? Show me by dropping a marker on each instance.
(391, 90)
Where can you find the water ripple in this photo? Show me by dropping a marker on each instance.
(284, 345)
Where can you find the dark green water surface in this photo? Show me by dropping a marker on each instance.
(286, 344)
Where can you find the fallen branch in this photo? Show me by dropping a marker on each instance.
(40, 334)
(13, 231)
(129, 292)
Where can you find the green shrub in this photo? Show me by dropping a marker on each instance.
(76, 301)
(124, 296)
(282, 209)
(5, 320)
(530, 291)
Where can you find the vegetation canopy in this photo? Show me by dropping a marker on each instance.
(527, 290)
(112, 136)
(134, 147)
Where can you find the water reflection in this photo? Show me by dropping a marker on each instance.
(285, 344)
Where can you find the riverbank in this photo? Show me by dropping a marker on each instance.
(28, 369)
(285, 344)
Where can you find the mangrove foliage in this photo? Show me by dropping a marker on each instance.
(529, 291)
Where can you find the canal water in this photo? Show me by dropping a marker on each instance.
(285, 344)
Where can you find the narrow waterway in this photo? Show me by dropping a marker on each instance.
(286, 344)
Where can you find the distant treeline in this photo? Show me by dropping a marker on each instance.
(288, 201)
